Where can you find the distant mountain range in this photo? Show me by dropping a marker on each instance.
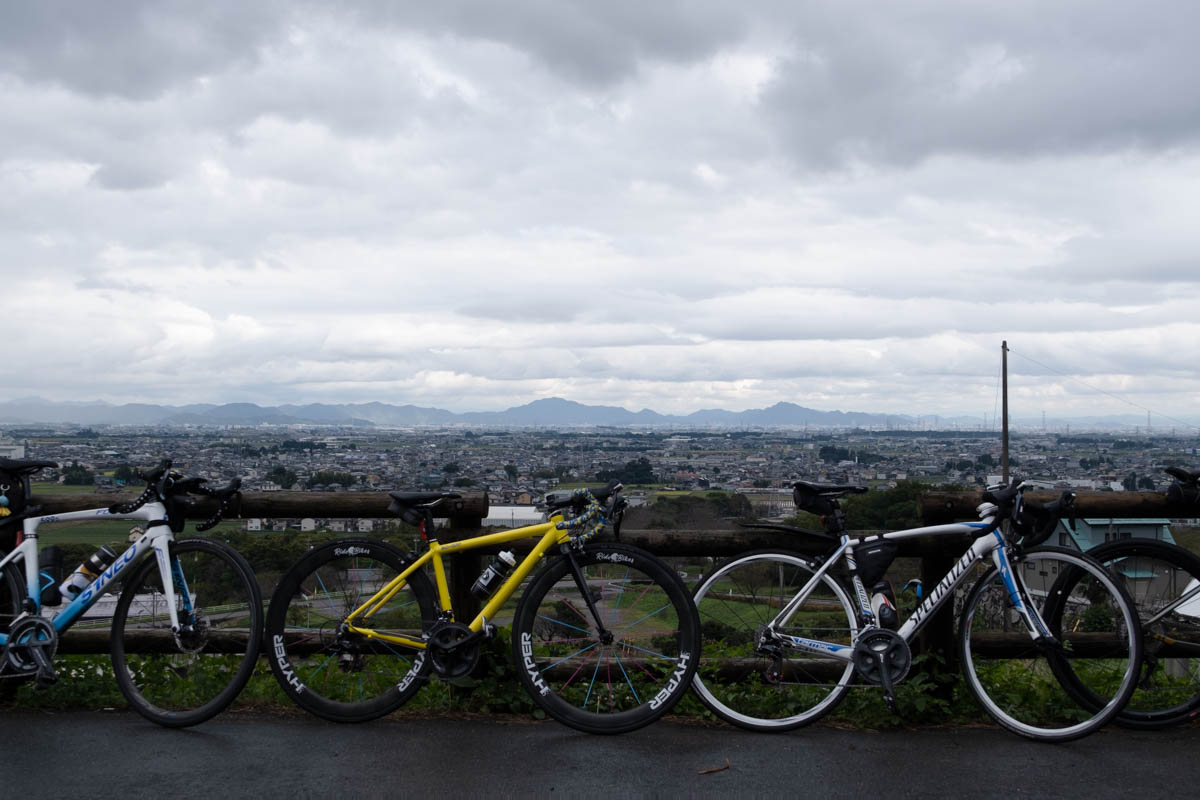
(550, 412)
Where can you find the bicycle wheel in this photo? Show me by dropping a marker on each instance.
(1156, 574)
(1031, 688)
(12, 592)
(340, 676)
(620, 680)
(181, 679)
(760, 685)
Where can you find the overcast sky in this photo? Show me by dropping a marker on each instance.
(673, 205)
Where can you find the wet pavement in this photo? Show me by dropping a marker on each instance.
(78, 754)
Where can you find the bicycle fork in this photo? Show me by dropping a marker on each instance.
(1018, 597)
(606, 637)
(171, 574)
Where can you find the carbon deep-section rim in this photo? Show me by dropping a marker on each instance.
(12, 592)
(181, 679)
(615, 683)
(1156, 575)
(750, 681)
(341, 676)
(1028, 687)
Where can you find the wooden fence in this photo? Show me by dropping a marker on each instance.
(466, 515)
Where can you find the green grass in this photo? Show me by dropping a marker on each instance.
(928, 696)
(1186, 537)
(115, 532)
(48, 489)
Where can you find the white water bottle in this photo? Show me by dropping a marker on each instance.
(87, 572)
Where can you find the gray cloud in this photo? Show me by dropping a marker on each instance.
(596, 44)
(130, 48)
(667, 207)
(904, 83)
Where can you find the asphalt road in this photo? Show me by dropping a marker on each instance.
(77, 754)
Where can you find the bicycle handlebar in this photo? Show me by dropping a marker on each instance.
(224, 496)
(1034, 523)
(172, 489)
(1005, 496)
(590, 515)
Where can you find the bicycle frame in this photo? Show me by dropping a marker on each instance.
(990, 545)
(157, 538)
(549, 533)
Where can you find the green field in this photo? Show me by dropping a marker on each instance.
(46, 489)
(1187, 538)
(111, 533)
(115, 532)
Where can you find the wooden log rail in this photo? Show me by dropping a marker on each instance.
(942, 507)
(466, 515)
(282, 505)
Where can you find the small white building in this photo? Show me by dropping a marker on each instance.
(513, 516)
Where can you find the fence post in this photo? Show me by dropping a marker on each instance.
(937, 637)
(464, 568)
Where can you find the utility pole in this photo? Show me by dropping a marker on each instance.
(1004, 409)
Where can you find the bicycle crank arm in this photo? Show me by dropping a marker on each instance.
(45, 671)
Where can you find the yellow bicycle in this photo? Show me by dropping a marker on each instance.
(605, 637)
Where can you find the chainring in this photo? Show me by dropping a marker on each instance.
(880, 649)
(449, 652)
(25, 634)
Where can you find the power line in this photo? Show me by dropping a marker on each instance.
(1106, 394)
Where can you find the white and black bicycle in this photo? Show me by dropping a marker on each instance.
(187, 624)
(1049, 642)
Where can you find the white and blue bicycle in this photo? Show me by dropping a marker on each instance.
(187, 623)
(1049, 642)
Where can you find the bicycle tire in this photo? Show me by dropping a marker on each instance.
(12, 594)
(347, 677)
(1155, 574)
(192, 675)
(734, 679)
(1029, 688)
(603, 685)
